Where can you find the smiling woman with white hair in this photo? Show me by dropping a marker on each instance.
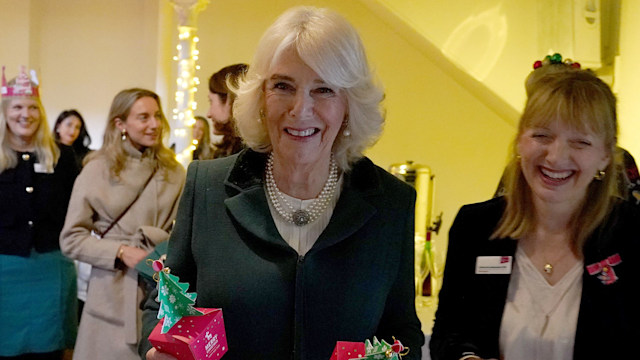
(300, 239)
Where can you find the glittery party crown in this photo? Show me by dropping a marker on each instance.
(23, 87)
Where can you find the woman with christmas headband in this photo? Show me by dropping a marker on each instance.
(123, 204)
(37, 283)
(300, 239)
(549, 270)
(629, 178)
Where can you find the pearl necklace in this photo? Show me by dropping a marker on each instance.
(317, 207)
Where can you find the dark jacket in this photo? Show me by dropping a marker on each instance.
(471, 306)
(33, 204)
(356, 281)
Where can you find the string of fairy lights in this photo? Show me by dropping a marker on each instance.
(186, 86)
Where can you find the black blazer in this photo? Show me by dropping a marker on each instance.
(471, 306)
(33, 204)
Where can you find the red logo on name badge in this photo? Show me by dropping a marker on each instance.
(504, 259)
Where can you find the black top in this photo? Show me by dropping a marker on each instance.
(80, 154)
(33, 204)
(471, 305)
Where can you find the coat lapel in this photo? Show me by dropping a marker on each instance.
(248, 206)
(351, 213)
(353, 209)
(251, 211)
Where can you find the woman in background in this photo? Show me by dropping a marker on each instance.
(122, 205)
(70, 129)
(221, 100)
(542, 271)
(37, 283)
(202, 134)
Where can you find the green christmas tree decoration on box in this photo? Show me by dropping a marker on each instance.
(379, 350)
(368, 350)
(175, 301)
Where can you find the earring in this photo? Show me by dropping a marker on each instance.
(600, 175)
(124, 135)
(261, 113)
(346, 132)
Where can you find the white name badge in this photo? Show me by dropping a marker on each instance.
(41, 168)
(494, 264)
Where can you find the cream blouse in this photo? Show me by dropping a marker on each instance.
(539, 320)
(302, 238)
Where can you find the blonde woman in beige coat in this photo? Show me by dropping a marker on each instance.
(132, 162)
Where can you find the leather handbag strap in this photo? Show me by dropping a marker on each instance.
(114, 222)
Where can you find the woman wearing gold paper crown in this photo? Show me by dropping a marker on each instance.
(37, 283)
(123, 204)
(549, 270)
(300, 239)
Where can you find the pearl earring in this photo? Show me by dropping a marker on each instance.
(346, 132)
(124, 135)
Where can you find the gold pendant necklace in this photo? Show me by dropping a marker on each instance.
(548, 266)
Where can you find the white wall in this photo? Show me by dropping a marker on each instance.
(84, 51)
(628, 77)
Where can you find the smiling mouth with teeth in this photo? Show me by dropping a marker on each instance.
(556, 175)
(302, 133)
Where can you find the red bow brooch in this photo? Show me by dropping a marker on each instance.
(604, 269)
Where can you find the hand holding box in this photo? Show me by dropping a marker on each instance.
(184, 331)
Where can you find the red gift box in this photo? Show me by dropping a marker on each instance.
(193, 337)
(345, 350)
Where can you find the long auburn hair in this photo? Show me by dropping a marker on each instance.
(112, 149)
(221, 83)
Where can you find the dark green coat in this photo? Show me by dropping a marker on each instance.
(354, 283)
